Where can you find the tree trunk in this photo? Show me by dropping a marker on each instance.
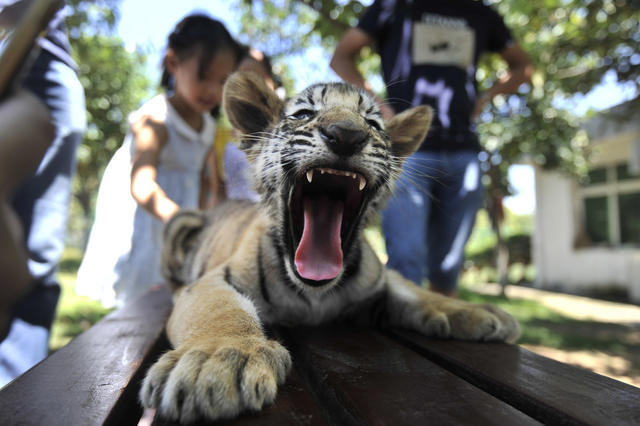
(496, 215)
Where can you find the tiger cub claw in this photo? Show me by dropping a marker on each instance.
(188, 385)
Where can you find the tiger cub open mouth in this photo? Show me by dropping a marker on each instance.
(325, 207)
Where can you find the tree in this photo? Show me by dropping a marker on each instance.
(114, 84)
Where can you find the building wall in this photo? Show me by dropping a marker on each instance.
(562, 262)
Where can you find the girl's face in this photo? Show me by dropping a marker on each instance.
(200, 94)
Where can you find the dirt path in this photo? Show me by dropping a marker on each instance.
(600, 318)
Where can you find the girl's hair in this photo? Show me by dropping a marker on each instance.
(202, 35)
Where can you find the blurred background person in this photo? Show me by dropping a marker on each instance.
(429, 52)
(41, 201)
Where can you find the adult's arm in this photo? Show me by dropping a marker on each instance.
(343, 63)
(520, 70)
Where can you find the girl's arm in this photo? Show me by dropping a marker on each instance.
(150, 138)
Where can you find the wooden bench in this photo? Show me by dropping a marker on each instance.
(341, 375)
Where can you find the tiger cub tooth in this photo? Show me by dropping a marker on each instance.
(362, 183)
(310, 175)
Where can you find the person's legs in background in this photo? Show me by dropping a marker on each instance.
(404, 220)
(457, 197)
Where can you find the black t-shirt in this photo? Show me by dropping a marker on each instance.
(429, 52)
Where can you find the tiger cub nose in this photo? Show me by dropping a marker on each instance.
(343, 137)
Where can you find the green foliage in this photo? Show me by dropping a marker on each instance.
(292, 25)
(74, 314)
(91, 17)
(515, 227)
(573, 44)
(114, 83)
(288, 28)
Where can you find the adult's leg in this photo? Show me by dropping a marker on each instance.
(404, 221)
(458, 198)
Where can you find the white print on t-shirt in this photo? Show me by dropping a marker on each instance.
(444, 21)
(442, 40)
(437, 90)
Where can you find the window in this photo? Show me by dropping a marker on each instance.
(611, 200)
(597, 219)
(629, 218)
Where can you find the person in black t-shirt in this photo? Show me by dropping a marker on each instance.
(429, 52)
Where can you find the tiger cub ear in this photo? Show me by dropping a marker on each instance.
(408, 129)
(249, 103)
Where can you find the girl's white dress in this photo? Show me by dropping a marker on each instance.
(122, 259)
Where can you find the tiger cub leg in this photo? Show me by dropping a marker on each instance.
(222, 363)
(436, 315)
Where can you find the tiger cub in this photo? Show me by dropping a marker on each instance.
(323, 162)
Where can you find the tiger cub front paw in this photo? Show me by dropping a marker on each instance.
(243, 374)
(468, 321)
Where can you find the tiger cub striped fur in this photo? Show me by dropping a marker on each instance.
(324, 162)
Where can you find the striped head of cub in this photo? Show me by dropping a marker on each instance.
(323, 162)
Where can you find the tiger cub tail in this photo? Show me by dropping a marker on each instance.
(181, 238)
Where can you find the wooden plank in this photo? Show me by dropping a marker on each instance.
(294, 406)
(547, 390)
(96, 376)
(363, 377)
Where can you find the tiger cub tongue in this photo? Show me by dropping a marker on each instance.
(319, 253)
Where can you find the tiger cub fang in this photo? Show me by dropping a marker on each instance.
(323, 163)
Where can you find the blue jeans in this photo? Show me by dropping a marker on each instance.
(430, 216)
(42, 204)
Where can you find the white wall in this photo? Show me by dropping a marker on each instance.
(560, 265)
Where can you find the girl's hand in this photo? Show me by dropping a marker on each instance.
(166, 208)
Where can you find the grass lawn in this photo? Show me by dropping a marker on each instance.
(75, 313)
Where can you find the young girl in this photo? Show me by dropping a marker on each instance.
(159, 167)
